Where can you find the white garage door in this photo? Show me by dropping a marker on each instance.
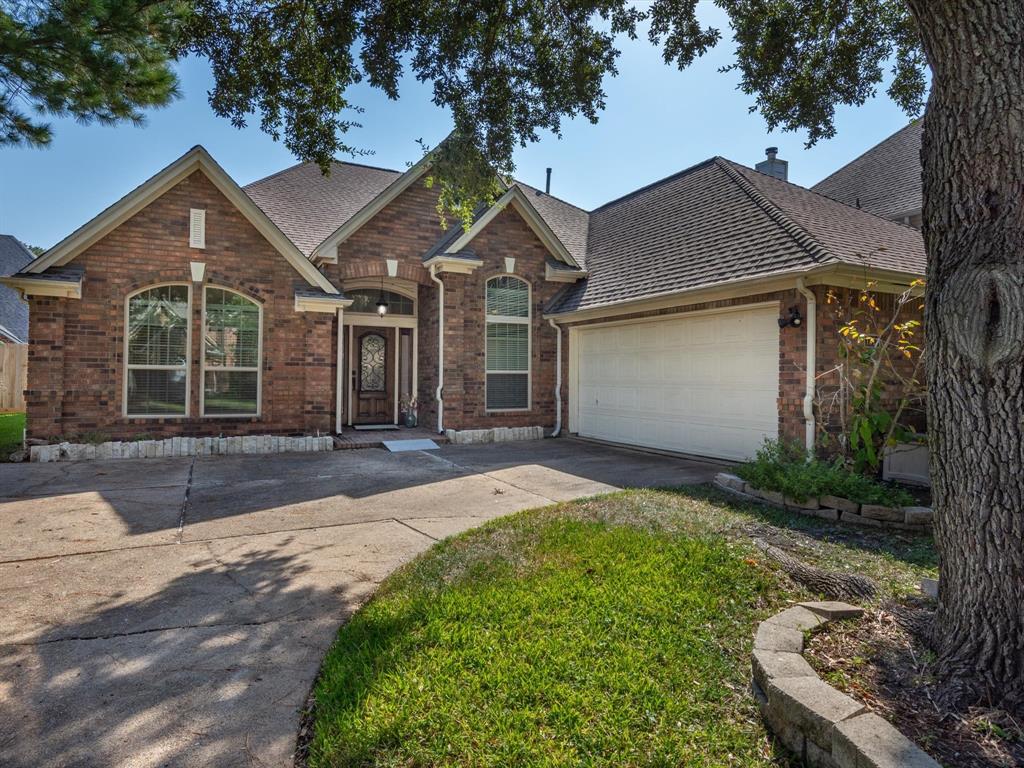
(705, 384)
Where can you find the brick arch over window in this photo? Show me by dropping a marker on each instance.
(378, 268)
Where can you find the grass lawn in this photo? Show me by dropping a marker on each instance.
(613, 631)
(12, 427)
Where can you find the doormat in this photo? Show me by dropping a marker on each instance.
(397, 446)
(374, 427)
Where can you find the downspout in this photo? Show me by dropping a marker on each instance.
(440, 348)
(558, 376)
(339, 373)
(812, 358)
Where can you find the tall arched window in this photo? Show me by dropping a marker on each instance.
(232, 351)
(156, 351)
(507, 358)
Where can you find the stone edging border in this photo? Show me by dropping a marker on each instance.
(179, 446)
(826, 728)
(834, 507)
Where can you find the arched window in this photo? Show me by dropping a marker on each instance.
(157, 351)
(232, 352)
(507, 358)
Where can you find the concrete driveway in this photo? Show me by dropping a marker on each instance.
(174, 612)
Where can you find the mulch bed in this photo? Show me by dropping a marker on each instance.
(880, 662)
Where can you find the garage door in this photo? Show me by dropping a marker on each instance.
(705, 383)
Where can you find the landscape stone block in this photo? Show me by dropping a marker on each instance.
(777, 637)
(869, 741)
(833, 610)
(825, 513)
(811, 705)
(767, 665)
(810, 503)
(838, 502)
(917, 515)
(849, 517)
(879, 512)
(772, 497)
(798, 618)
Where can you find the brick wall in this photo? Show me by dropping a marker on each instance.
(76, 371)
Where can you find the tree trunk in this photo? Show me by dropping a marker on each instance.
(973, 157)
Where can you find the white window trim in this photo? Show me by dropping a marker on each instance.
(259, 361)
(131, 366)
(528, 322)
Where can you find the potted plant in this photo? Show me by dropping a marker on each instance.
(409, 406)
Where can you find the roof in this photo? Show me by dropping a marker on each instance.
(308, 206)
(196, 159)
(569, 223)
(13, 311)
(885, 180)
(719, 222)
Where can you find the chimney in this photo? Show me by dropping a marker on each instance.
(773, 166)
(547, 184)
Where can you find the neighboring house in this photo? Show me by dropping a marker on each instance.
(885, 180)
(676, 317)
(13, 309)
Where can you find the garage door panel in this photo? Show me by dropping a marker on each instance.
(706, 384)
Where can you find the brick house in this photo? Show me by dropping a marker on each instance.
(676, 317)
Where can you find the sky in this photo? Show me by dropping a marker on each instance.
(657, 120)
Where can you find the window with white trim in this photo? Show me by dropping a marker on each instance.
(157, 351)
(507, 358)
(232, 350)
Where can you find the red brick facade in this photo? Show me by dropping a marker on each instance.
(76, 361)
(76, 357)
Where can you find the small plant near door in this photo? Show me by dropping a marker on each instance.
(409, 406)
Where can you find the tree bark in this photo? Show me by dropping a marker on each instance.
(973, 159)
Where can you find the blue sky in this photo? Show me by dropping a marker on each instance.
(657, 121)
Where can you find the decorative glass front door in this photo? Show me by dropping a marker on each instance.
(373, 377)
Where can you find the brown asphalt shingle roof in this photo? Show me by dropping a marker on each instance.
(308, 206)
(886, 179)
(714, 223)
(718, 222)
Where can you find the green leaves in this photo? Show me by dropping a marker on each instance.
(94, 60)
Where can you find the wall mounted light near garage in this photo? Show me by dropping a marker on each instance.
(794, 318)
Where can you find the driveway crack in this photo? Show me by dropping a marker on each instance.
(184, 500)
(416, 530)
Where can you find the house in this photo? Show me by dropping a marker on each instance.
(13, 310)
(885, 180)
(683, 316)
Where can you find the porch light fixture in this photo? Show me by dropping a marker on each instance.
(794, 318)
(382, 305)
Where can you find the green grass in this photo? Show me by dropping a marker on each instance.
(12, 428)
(607, 632)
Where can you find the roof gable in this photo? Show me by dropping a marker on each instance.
(515, 197)
(309, 207)
(195, 159)
(885, 180)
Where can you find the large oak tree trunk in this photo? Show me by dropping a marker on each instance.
(973, 157)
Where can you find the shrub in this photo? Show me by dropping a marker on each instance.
(788, 469)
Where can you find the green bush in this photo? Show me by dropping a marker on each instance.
(788, 469)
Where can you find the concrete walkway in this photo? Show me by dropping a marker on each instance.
(174, 612)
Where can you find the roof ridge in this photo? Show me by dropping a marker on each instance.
(305, 162)
(803, 238)
(553, 197)
(868, 151)
(653, 184)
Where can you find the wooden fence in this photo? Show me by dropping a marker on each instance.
(13, 364)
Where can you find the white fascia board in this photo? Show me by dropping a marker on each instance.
(330, 304)
(555, 275)
(327, 251)
(453, 264)
(514, 196)
(196, 158)
(64, 289)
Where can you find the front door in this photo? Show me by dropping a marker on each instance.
(373, 376)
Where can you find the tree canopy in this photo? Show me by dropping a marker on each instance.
(506, 71)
